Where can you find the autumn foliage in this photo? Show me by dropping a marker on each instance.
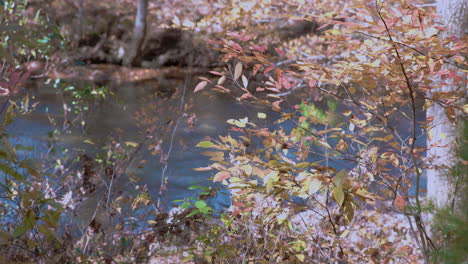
(325, 189)
(329, 166)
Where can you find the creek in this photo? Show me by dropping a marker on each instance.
(115, 115)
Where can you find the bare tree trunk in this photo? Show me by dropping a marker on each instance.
(440, 184)
(139, 31)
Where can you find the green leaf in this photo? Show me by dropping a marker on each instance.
(10, 114)
(205, 210)
(10, 171)
(194, 212)
(32, 166)
(20, 230)
(200, 204)
(205, 144)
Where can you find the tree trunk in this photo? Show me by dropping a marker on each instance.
(139, 31)
(440, 184)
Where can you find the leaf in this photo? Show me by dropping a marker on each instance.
(239, 123)
(340, 177)
(247, 168)
(200, 86)
(200, 204)
(342, 145)
(130, 143)
(205, 144)
(245, 82)
(261, 115)
(237, 71)
(400, 203)
(87, 141)
(348, 211)
(194, 212)
(32, 166)
(214, 155)
(338, 194)
(20, 230)
(221, 80)
(203, 169)
(222, 175)
(450, 113)
(345, 233)
(300, 257)
(205, 210)
(10, 171)
(315, 186)
(312, 83)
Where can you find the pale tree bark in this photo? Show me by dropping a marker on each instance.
(133, 54)
(441, 186)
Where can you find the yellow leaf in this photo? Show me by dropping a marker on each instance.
(205, 144)
(88, 141)
(347, 112)
(238, 71)
(300, 257)
(340, 178)
(247, 169)
(130, 143)
(338, 194)
(345, 233)
(261, 115)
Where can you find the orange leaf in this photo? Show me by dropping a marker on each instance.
(400, 203)
(450, 113)
(222, 175)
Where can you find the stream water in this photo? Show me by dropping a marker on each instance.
(117, 113)
(116, 116)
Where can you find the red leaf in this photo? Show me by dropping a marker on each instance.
(280, 51)
(216, 73)
(277, 104)
(267, 69)
(312, 83)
